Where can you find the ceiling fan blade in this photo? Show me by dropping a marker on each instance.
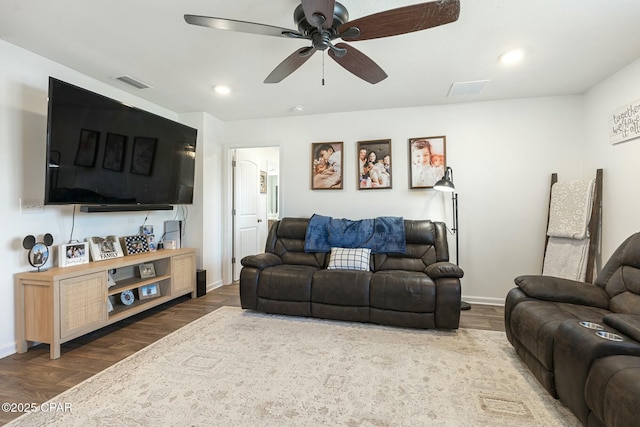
(314, 9)
(289, 65)
(240, 26)
(359, 64)
(404, 19)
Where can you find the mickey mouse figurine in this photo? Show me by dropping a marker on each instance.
(38, 251)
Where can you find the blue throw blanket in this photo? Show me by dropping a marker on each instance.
(383, 234)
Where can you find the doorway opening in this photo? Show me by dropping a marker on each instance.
(255, 200)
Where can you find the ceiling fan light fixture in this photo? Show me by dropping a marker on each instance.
(512, 57)
(222, 89)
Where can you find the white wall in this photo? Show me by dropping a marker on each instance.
(621, 175)
(502, 153)
(204, 228)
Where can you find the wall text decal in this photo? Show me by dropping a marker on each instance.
(625, 123)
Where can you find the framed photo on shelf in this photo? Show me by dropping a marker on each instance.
(151, 241)
(374, 164)
(146, 229)
(149, 291)
(147, 270)
(73, 254)
(326, 165)
(87, 148)
(136, 244)
(427, 160)
(102, 248)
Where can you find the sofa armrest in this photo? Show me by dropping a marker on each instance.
(261, 261)
(556, 289)
(441, 270)
(628, 324)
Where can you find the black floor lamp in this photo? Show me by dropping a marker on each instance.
(446, 185)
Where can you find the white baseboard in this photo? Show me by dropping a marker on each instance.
(483, 300)
(215, 285)
(8, 350)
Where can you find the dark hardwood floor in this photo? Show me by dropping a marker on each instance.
(34, 378)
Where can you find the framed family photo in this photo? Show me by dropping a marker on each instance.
(147, 270)
(374, 164)
(427, 160)
(102, 248)
(149, 291)
(326, 166)
(73, 254)
(136, 244)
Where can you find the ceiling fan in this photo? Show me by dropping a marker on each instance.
(322, 21)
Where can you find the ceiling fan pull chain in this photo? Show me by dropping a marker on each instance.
(322, 68)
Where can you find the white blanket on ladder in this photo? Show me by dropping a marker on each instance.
(569, 214)
(566, 258)
(570, 209)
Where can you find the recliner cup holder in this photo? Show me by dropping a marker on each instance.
(591, 325)
(609, 336)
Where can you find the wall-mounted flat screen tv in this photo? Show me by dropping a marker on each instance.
(103, 152)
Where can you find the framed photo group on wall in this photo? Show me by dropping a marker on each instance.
(427, 161)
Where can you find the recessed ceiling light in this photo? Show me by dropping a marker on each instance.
(512, 57)
(222, 89)
(297, 108)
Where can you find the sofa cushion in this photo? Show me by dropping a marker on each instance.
(286, 283)
(408, 291)
(341, 287)
(349, 259)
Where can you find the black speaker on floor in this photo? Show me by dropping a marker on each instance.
(201, 282)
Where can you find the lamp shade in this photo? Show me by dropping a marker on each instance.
(446, 183)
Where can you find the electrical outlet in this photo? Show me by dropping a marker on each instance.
(31, 206)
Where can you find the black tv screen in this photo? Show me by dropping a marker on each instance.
(103, 152)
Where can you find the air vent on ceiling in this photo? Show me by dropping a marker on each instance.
(467, 88)
(132, 82)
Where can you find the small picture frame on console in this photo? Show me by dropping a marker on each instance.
(147, 270)
(75, 253)
(149, 291)
(136, 244)
(103, 248)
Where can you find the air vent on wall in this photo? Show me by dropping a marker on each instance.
(132, 82)
(467, 88)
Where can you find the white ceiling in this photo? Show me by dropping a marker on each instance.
(570, 46)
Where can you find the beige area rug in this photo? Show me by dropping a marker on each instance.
(241, 368)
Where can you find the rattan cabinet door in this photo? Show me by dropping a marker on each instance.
(183, 272)
(83, 305)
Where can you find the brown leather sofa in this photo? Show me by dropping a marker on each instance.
(573, 336)
(417, 289)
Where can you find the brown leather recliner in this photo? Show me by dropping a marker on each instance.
(417, 289)
(559, 327)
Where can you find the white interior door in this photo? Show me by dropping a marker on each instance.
(247, 218)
